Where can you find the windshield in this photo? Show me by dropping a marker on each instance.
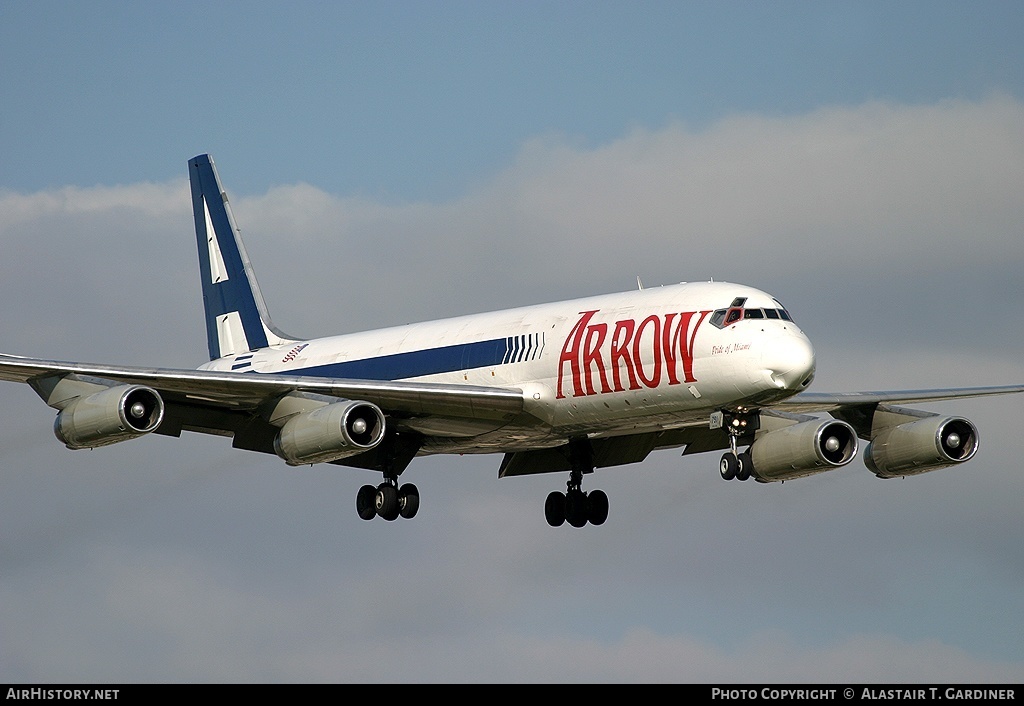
(738, 311)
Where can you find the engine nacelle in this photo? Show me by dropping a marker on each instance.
(330, 432)
(107, 417)
(803, 449)
(921, 446)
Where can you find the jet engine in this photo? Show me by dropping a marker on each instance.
(331, 432)
(921, 446)
(107, 417)
(803, 449)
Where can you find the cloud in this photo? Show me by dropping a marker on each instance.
(842, 196)
(187, 616)
(847, 197)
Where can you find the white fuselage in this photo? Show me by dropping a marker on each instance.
(638, 361)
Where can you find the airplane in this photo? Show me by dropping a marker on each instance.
(566, 387)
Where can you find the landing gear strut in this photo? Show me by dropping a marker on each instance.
(574, 505)
(390, 500)
(735, 464)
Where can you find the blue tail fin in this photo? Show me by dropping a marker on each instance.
(236, 316)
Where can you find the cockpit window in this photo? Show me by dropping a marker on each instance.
(782, 310)
(726, 317)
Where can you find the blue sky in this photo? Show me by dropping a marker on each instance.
(412, 100)
(398, 161)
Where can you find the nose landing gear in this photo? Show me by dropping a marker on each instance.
(735, 464)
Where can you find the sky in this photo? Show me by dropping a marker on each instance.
(392, 162)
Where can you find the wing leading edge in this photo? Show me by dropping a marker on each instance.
(808, 402)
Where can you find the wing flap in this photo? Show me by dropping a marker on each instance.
(611, 451)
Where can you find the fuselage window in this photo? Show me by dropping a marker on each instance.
(733, 316)
(771, 313)
(753, 314)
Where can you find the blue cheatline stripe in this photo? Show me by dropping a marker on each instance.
(432, 361)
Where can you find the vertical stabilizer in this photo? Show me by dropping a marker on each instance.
(236, 316)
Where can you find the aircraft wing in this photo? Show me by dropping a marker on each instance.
(230, 403)
(856, 408)
(247, 391)
(807, 402)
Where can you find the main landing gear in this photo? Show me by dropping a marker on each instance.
(574, 505)
(735, 464)
(388, 500)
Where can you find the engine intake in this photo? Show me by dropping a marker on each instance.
(107, 417)
(921, 446)
(329, 433)
(803, 449)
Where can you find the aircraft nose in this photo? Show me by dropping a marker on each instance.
(789, 361)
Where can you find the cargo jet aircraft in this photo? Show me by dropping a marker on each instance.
(565, 387)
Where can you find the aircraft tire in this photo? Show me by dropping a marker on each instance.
(746, 467)
(576, 508)
(597, 507)
(554, 508)
(366, 502)
(408, 501)
(728, 466)
(386, 501)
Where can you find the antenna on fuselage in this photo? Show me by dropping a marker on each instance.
(639, 284)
